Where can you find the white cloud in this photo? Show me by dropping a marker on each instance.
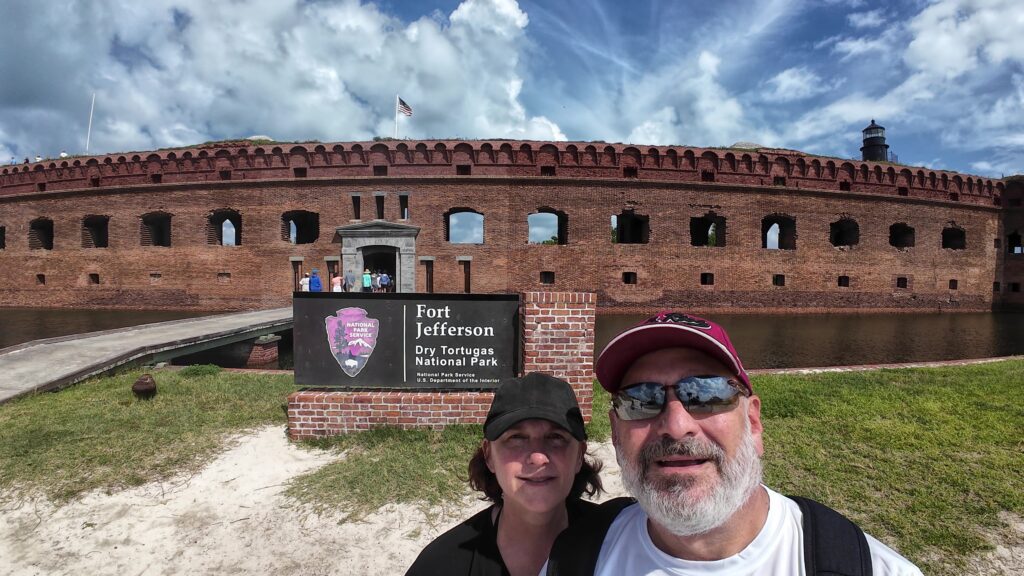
(173, 72)
(952, 37)
(870, 19)
(795, 84)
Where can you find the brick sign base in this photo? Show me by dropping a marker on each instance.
(558, 338)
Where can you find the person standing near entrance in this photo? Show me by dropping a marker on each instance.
(336, 284)
(385, 281)
(367, 280)
(350, 281)
(304, 283)
(315, 285)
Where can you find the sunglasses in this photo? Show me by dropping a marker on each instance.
(700, 395)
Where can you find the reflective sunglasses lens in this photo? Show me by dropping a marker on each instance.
(639, 402)
(707, 394)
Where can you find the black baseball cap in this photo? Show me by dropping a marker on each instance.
(535, 395)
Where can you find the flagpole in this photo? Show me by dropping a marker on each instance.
(88, 135)
(396, 116)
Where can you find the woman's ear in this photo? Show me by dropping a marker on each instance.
(486, 447)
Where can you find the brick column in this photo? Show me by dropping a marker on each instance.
(558, 336)
(264, 352)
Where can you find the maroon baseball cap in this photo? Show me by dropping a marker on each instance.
(667, 330)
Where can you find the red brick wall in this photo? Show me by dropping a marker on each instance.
(558, 339)
(505, 185)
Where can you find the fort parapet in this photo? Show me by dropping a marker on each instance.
(693, 227)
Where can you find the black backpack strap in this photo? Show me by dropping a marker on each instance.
(833, 544)
(576, 549)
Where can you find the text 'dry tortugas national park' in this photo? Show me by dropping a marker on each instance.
(236, 225)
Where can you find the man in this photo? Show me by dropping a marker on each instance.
(687, 431)
(315, 284)
(350, 281)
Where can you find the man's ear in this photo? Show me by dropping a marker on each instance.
(756, 427)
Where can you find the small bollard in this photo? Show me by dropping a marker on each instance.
(144, 388)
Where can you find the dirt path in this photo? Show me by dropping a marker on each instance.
(231, 518)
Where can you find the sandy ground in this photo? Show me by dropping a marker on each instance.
(232, 518)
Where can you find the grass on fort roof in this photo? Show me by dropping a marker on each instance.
(97, 436)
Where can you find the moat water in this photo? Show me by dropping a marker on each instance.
(763, 341)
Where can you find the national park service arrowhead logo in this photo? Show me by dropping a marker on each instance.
(352, 337)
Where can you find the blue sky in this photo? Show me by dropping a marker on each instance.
(944, 77)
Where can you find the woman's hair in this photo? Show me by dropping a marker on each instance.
(481, 479)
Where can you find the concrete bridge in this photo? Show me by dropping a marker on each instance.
(58, 362)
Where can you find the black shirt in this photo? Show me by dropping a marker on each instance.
(471, 548)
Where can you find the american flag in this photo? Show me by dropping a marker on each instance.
(404, 108)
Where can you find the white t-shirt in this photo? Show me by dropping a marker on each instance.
(777, 549)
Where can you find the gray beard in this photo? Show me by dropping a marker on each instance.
(687, 506)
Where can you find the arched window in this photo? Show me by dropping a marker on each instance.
(901, 236)
(707, 230)
(548, 226)
(224, 228)
(844, 232)
(954, 238)
(300, 227)
(464, 226)
(778, 232)
(40, 234)
(95, 231)
(155, 229)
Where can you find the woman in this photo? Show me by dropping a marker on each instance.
(532, 466)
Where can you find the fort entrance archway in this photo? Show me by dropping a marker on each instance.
(381, 246)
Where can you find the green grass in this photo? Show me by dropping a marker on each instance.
(96, 435)
(923, 459)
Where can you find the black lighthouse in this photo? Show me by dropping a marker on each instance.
(874, 147)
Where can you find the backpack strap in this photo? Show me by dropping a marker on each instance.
(833, 544)
(576, 549)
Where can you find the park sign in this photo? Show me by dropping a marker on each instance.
(368, 340)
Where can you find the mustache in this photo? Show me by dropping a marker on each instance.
(691, 447)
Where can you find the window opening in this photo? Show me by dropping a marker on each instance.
(225, 174)
(463, 170)
(707, 279)
(428, 275)
(154, 277)
(629, 277)
(630, 172)
(40, 186)
(223, 277)
(901, 282)
(464, 226)
(40, 234)
(403, 206)
(155, 229)
(954, 196)
(778, 181)
(41, 279)
(902, 191)
(778, 232)
(952, 284)
(954, 238)
(466, 275)
(844, 185)
(707, 230)
(379, 199)
(380, 170)
(1013, 244)
(3, 238)
(631, 228)
(1014, 286)
(844, 282)
(156, 178)
(547, 277)
(299, 172)
(547, 170)
(224, 228)
(844, 232)
(547, 227)
(778, 279)
(707, 176)
(94, 279)
(94, 182)
(901, 236)
(300, 227)
(95, 231)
